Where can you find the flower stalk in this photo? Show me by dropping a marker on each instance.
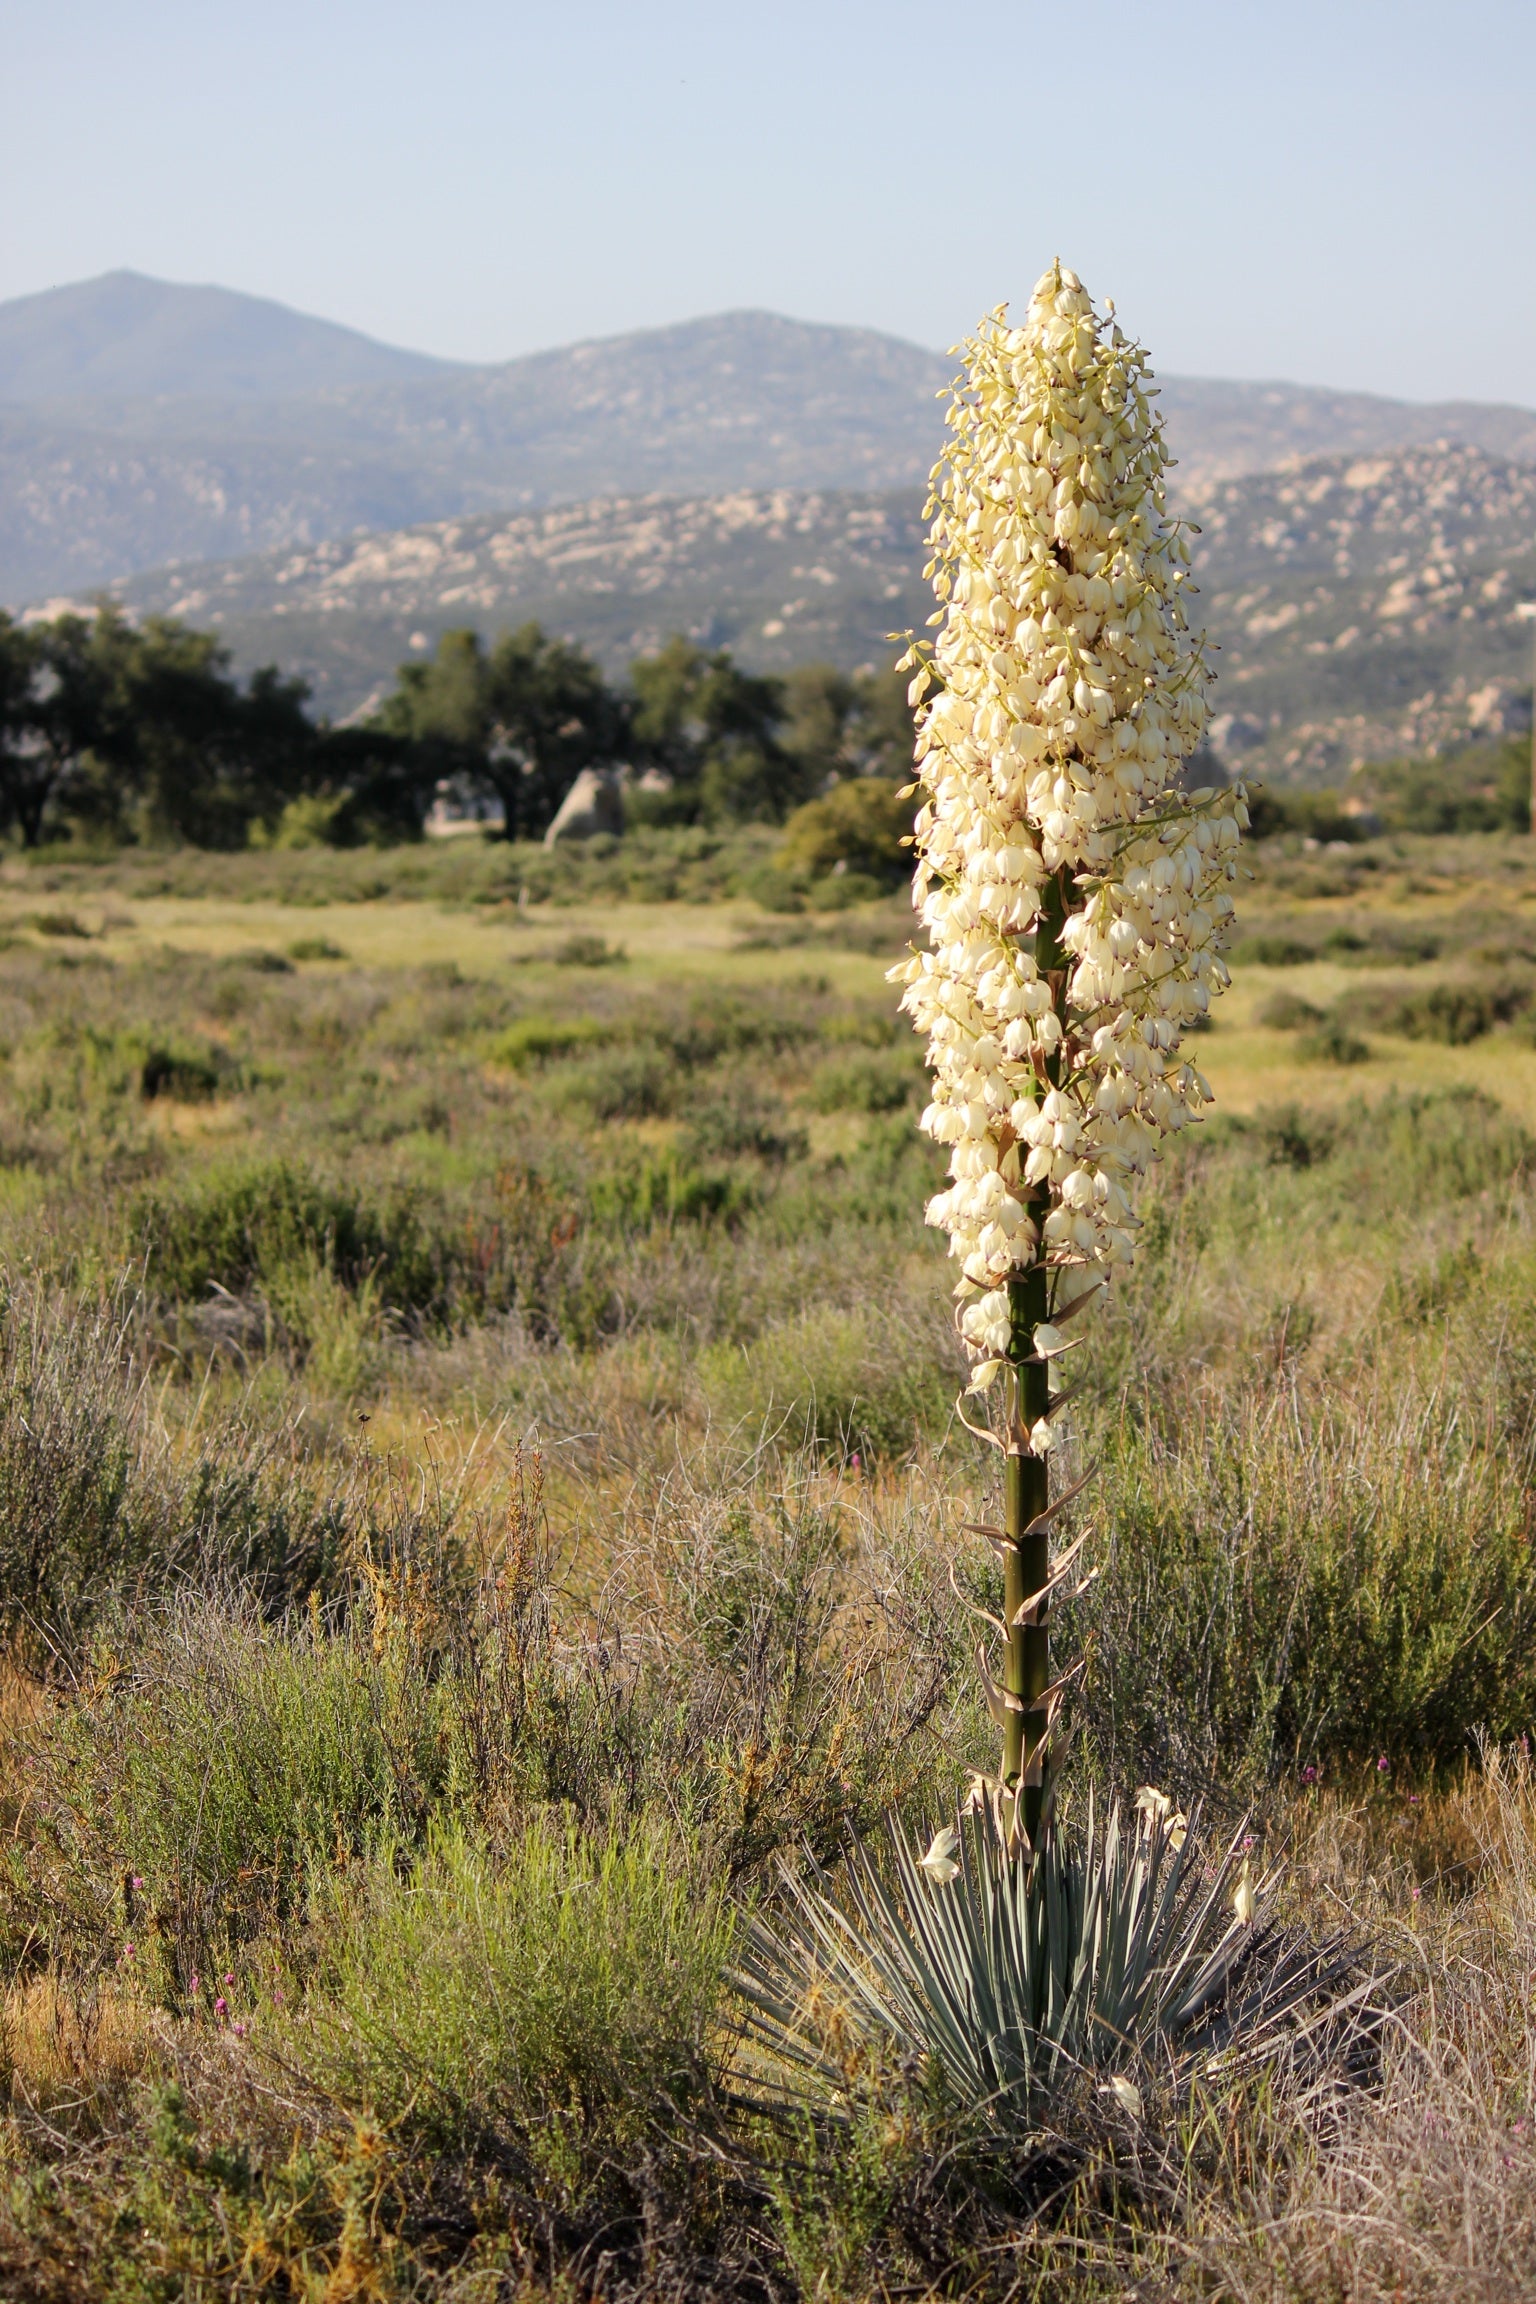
(1073, 889)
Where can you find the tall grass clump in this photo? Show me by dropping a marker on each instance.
(101, 1511)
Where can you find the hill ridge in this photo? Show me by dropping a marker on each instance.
(1356, 605)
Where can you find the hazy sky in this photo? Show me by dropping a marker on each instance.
(1338, 191)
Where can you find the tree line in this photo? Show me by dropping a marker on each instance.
(118, 731)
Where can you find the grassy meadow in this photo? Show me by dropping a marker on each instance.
(478, 1491)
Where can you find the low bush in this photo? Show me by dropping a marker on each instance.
(1332, 1042)
(665, 1189)
(743, 1122)
(1287, 1013)
(274, 1225)
(1454, 1012)
(1324, 1581)
(880, 1080)
(98, 1513)
(187, 1075)
(234, 1753)
(534, 1040)
(1274, 951)
(859, 827)
(859, 1382)
(557, 2004)
(626, 1083)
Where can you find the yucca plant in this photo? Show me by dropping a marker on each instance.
(1074, 889)
(1006, 1980)
(1074, 892)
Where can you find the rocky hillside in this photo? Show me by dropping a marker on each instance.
(779, 575)
(1356, 606)
(142, 424)
(1362, 606)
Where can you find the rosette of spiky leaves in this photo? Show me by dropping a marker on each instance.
(1006, 1982)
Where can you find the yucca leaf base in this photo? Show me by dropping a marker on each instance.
(1115, 1949)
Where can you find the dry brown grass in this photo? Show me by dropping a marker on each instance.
(66, 2041)
(1421, 2188)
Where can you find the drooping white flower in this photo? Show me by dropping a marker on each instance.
(1076, 899)
(1155, 1808)
(938, 1860)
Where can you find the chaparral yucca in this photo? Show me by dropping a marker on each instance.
(1074, 890)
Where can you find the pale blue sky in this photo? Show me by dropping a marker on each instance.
(1338, 191)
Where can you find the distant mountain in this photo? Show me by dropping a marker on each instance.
(79, 507)
(1356, 606)
(126, 471)
(125, 336)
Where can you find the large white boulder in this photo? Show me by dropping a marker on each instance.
(593, 804)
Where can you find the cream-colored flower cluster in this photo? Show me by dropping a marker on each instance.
(1075, 895)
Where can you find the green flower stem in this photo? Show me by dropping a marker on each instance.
(1027, 1558)
(1027, 1478)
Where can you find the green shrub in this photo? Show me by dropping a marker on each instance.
(232, 1753)
(97, 1511)
(860, 1382)
(558, 2001)
(1332, 1043)
(883, 1080)
(1286, 1013)
(626, 1083)
(274, 1225)
(187, 1075)
(859, 825)
(588, 952)
(776, 890)
(1453, 1013)
(664, 1189)
(1344, 1580)
(745, 1123)
(534, 1040)
(1274, 951)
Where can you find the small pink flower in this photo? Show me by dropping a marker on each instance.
(238, 2030)
(127, 1951)
(137, 1882)
(277, 1996)
(1309, 1774)
(1382, 1763)
(1247, 1842)
(197, 1983)
(1416, 1895)
(229, 1975)
(221, 2007)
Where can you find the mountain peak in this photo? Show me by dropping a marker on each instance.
(127, 336)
